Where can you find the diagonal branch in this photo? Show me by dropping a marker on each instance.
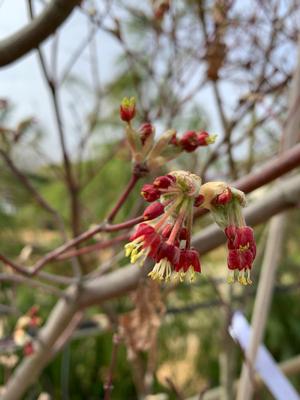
(33, 34)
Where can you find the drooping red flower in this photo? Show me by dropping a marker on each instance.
(154, 210)
(150, 193)
(189, 258)
(163, 182)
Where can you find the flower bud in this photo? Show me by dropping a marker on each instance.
(146, 130)
(199, 200)
(205, 139)
(183, 234)
(189, 141)
(167, 231)
(150, 193)
(223, 198)
(127, 109)
(163, 182)
(174, 140)
(153, 210)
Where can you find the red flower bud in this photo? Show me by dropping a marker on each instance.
(145, 131)
(174, 140)
(127, 109)
(205, 139)
(153, 210)
(189, 141)
(223, 198)
(163, 182)
(167, 231)
(150, 193)
(183, 234)
(199, 200)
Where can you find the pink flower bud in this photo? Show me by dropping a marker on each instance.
(153, 210)
(189, 141)
(127, 109)
(150, 193)
(145, 131)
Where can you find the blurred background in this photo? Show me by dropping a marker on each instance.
(225, 66)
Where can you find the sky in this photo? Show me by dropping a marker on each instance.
(22, 82)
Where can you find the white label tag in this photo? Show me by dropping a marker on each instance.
(265, 365)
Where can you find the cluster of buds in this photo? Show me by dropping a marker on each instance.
(153, 154)
(225, 204)
(25, 330)
(191, 140)
(165, 234)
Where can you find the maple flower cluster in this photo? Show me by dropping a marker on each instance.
(225, 204)
(165, 234)
(153, 153)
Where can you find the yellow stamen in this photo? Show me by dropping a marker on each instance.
(249, 281)
(230, 277)
(192, 274)
(161, 270)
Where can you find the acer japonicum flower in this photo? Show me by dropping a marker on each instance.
(225, 204)
(165, 234)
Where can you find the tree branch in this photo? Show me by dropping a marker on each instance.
(33, 34)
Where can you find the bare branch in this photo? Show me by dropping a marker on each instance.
(33, 34)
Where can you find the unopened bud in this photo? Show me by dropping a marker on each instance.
(154, 210)
(199, 200)
(205, 138)
(223, 198)
(146, 130)
(127, 109)
(163, 182)
(150, 193)
(189, 141)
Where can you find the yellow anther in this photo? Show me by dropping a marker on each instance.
(192, 276)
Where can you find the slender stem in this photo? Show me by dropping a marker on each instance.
(131, 184)
(94, 247)
(71, 243)
(108, 385)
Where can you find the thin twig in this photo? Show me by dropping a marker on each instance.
(131, 184)
(108, 385)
